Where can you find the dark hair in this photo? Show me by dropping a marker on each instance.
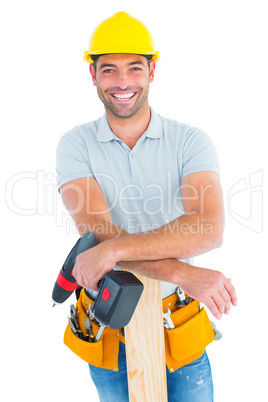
(95, 58)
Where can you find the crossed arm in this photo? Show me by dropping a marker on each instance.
(156, 253)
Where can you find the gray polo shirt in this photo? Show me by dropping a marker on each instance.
(142, 186)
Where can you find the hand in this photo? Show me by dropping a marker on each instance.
(211, 288)
(92, 265)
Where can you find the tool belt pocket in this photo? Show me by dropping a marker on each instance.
(90, 352)
(188, 340)
(103, 353)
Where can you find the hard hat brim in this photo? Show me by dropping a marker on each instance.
(87, 56)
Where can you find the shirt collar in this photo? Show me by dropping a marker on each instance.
(105, 134)
(154, 129)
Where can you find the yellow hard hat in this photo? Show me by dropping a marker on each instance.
(121, 33)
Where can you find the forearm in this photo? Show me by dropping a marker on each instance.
(153, 244)
(185, 237)
(154, 254)
(102, 228)
(167, 270)
(208, 286)
(108, 234)
(105, 230)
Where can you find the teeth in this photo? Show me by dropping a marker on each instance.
(123, 96)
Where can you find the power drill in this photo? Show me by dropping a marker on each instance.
(119, 291)
(66, 283)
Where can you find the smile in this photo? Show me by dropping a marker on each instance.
(124, 97)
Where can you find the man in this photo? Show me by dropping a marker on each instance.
(148, 188)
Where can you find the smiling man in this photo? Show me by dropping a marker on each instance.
(122, 82)
(126, 96)
(149, 189)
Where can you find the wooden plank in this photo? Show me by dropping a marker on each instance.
(145, 349)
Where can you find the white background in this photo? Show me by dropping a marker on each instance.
(213, 75)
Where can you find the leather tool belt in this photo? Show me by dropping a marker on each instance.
(183, 344)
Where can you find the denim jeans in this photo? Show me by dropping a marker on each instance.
(191, 383)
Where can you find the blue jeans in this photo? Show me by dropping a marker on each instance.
(191, 383)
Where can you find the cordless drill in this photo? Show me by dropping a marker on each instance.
(119, 291)
(66, 283)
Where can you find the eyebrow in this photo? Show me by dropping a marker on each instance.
(105, 65)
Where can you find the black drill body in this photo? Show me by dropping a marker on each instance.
(119, 291)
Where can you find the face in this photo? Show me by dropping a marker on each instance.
(122, 82)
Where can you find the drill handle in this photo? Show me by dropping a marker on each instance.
(66, 283)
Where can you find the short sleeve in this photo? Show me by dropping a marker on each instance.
(71, 160)
(199, 153)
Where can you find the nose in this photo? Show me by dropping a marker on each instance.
(122, 80)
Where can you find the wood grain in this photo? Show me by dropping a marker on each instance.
(145, 348)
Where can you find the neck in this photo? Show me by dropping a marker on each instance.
(129, 129)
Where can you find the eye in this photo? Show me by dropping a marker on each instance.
(136, 69)
(108, 71)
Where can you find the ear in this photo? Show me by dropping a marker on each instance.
(93, 74)
(152, 70)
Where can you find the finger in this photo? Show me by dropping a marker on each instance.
(227, 300)
(94, 287)
(211, 305)
(80, 280)
(77, 276)
(89, 283)
(74, 271)
(231, 290)
(219, 302)
(227, 307)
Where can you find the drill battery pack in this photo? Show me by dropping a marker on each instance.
(117, 298)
